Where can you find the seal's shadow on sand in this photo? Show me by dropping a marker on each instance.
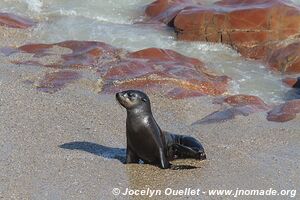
(109, 152)
(97, 149)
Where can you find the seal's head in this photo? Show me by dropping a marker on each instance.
(133, 99)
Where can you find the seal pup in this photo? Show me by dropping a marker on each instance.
(146, 141)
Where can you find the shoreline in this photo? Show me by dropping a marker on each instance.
(246, 152)
(70, 144)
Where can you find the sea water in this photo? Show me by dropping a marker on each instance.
(116, 22)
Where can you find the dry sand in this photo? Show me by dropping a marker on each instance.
(246, 153)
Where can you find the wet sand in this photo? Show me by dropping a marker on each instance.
(245, 153)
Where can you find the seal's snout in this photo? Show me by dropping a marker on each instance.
(202, 156)
(119, 96)
(122, 99)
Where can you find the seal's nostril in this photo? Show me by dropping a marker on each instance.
(202, 156)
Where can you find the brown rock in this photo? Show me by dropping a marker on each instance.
(158, 7)
(157, 68)
(239, 105)
(252, 27)
(225, 115)
(84, 53)
(55, 81)
(284, 112)
(165, 71)
(286, 58)
(165, 11)
(15, 21)
(180, 93)
(243, 100)
(290, 81)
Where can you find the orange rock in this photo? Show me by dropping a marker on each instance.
(165, 11)
(252, 27)
(84, 53)
(14, 21)
(35, 48)
(225, 115)
(285, 58)
(284, 112)
(289, 81)
(157, 7)
(243, 100)
(159, 70)
(181, 93)
(55, 81)
(240, 105)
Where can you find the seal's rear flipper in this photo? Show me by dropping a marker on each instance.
(187, 152)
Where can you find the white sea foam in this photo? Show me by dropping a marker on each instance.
(34, 5)
(111, 21)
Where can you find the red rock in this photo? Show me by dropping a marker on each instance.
(225, 115)
(252, 27)
(15, 21)
(163, 55)
(55, 81)
(284, 112)
(84, 53)
(158, 7)
(165, 11)
(159, 70)
(240, 105)
(290, 81)
(285, 58)
(28, 62)
(155, 68)
(180, 93)
(243, 100)
(35, 48)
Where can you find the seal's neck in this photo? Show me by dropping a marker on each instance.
(139, 110)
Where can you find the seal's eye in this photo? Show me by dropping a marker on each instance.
(130, 95)
(144, 99)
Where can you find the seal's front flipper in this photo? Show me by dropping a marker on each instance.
(131, 157)
(164, 164)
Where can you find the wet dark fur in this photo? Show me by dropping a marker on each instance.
(146, 141)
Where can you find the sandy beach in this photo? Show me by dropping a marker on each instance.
(63, 135)
(70, 144)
